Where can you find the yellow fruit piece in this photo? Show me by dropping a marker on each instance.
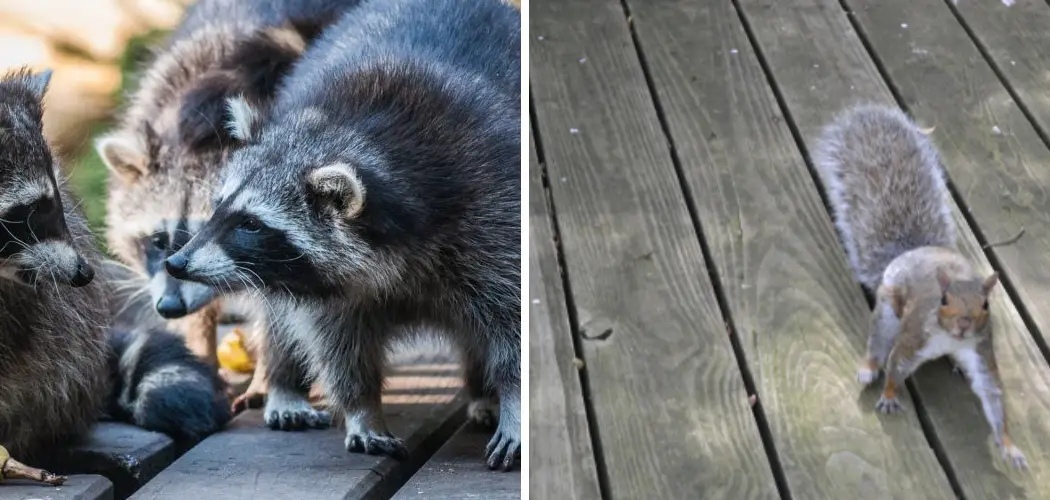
(4, 455)
(232, 353)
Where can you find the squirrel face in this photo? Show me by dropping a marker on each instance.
(964, 304)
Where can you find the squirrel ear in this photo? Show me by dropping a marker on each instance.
(943, 279)
(990, 282)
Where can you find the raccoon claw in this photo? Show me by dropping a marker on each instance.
(502, 451)
(291, 420)
(247, 401)
(484, 413)
(376, 444)
(889, 405)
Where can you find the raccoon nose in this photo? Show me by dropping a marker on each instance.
(83, 275)
(171, 306)
(176, 266)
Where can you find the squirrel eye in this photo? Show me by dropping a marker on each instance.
(944, 300)
(985, 305)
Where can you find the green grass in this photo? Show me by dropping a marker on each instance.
(88, 173)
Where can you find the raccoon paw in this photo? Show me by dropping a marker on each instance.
(484, 412)
(503, 450)
(247, 401)
(296, 415)
(375, 443)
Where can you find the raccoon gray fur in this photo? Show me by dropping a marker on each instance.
(53, 323)
(158, 384)
(378, 198)
(886, 186)
(164, 154)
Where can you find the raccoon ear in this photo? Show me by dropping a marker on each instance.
(38, 83)
(123, 156)
(338, 189)
(243, 119)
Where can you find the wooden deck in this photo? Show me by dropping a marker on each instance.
(695, 326)
(424, 403)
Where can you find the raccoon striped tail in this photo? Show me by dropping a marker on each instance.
(159, 385)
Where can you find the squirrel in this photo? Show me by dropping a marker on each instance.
(890, 200)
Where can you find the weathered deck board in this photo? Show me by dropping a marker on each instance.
(820, 66)
(127, 455)
(1017, 39)
(783, 272)
(247, 460)
(670, 405)
(79, 487)
(1003, 178)
(561, 461)
(456, 473)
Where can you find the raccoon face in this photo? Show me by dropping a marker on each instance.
(34, 239)
(158, 197)
(279, 240)
(149, 220)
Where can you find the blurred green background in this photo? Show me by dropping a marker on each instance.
(87, 173)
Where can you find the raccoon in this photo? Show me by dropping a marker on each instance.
(164, 154)
(53, 325)
(379, 198)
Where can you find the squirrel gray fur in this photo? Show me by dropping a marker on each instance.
(887, 187)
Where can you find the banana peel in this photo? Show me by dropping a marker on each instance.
(13, 469)
(232, 353)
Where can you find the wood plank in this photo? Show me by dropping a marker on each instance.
(1002, 178)
(79, 487)
(1016, 38)
(670, 405)
(423, 404)
(787, 284)
(454, 472)
(820, 66)
(128, 456)
(561, 460)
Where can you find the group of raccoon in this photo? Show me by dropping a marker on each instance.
(350, 169)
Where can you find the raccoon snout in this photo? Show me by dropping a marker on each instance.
(83, 275)
(171, 306)
(176, 266)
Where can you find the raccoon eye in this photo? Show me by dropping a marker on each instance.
(250, 225)
(160, 241)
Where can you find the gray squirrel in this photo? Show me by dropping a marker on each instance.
(887, 189)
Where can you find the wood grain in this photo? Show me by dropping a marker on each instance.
(820, 66)
(79, 487)
(800, 314)
(1016, 37)
(453, 473)
(561, 459)
(999, 166)
(671, 409)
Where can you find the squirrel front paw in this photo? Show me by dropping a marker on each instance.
(1013, 455)
(889, 405)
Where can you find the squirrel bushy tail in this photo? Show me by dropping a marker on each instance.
(886, 186)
